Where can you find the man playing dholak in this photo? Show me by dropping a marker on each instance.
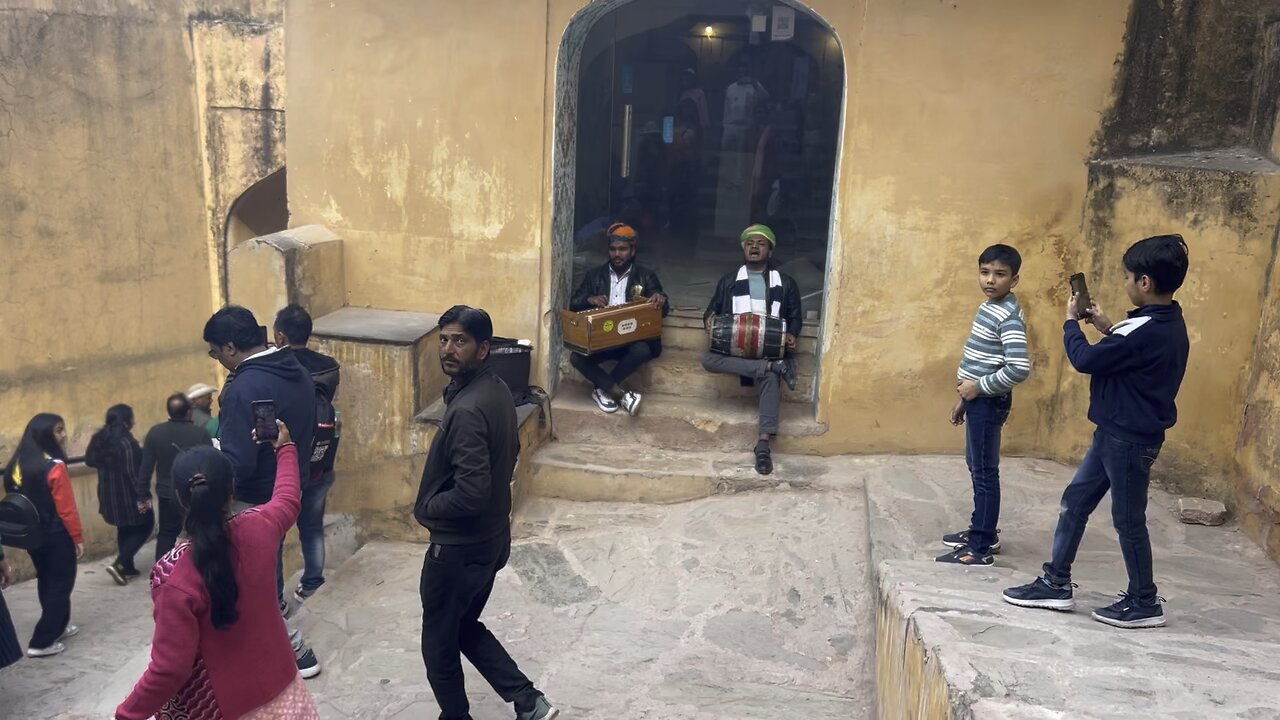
(758, 287)
(616, 283)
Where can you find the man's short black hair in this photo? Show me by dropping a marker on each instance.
(178, 406)
(1004, 254)
(474, 321)
(1163, 258)
(237, 326)
(295, 323)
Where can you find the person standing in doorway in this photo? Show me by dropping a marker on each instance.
(116, 455)
(38, 470)
(260, 373)
(465, 501)
(201, 397)
(159, 448)
(293, 330)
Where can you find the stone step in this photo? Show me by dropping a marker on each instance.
(674, 422)
(632, 472)
(680, 373)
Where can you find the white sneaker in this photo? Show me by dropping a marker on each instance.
(631, 402)
(604, 402)
(71, 631)
(53, 649)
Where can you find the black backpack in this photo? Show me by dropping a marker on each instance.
(20, 524)
(324, 442)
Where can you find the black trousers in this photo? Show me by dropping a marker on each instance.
(171, 521)
(456, 582)
(55, 563)
(130, 539)
(629, 357)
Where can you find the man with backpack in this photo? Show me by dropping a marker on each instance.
(293, 330)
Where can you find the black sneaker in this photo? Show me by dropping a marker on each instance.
(542, 710)
(1040, 593)
(964, 556)
(117, 574)
(131, 572)
(308, 665)
(960, 539)
(786, 367)
(1127, 612)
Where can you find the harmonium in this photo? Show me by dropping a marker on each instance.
(592, 331)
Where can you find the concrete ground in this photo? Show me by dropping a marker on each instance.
(759, 605)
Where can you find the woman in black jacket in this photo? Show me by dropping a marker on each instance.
(116, 455)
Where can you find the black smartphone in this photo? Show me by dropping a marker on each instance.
(264, 420)
(1081, 290)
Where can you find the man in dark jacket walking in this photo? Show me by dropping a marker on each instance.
(758, 287)
(293, 330)
(465, 501)
(615, 283)
(159, 448)
(239, 343)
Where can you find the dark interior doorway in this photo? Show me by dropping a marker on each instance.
(696, 119)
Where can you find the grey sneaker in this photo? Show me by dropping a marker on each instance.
(542, 710)
(631, 402)
(1128, 613)
(604, 402)
(71, 631)
(53, 649)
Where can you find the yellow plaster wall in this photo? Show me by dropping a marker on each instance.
(420, 131)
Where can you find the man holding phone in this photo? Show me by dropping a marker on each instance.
(265, 384)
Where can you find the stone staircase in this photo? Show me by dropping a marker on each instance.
(692, 438)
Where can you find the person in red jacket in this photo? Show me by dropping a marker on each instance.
(220, 649)
(38, 470)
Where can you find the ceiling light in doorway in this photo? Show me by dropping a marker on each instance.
(709, 31)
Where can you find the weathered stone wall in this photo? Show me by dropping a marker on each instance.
(104, 228)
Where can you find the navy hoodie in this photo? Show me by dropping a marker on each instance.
(1137, 370)
(275, 376)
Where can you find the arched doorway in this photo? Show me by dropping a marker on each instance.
(262, 209)
(692, 120)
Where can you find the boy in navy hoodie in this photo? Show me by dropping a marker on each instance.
(1135, 371)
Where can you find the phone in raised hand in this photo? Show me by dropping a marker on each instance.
(1080, 289)
(264, 420)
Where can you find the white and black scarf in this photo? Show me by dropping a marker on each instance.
(742, 293)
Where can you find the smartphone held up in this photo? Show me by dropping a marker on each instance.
(1080, 290)
(264, 420)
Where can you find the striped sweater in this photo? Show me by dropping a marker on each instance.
(995, 355)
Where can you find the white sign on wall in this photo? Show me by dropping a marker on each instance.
(784, 23)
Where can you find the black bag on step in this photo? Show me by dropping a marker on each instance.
(511, 361)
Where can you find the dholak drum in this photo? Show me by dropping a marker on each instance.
(748, 335)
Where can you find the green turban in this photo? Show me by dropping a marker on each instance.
(761, 230)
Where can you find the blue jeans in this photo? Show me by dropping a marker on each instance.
(984, 420)
(1124, 468)
(311, 531)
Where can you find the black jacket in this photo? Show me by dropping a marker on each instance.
(279, 377)
(325, 371)
(159, 449)
(597, 282)
(1136, 372)
(792, 308)
(465, 494)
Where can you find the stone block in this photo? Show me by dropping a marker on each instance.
(1199, 511)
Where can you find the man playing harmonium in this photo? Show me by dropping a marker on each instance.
(615, 283)
(754, 319)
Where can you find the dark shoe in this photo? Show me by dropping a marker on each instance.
(131, 572)
(542, 710)
(764, 458)
(1129, 613)
(960, 539)
(964, 556)
(786, 367)
(301, 593)
(1040, 593)
(308, 665)
(117, 573)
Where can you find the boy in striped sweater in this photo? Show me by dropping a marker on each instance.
(995, 359)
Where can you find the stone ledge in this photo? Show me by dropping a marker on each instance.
(1228, 160)
(392, 327)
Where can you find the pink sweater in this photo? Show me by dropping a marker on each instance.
(249, 663)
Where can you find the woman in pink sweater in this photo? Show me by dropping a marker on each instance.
(220, 648)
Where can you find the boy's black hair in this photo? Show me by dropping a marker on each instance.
(1163, 258)
(474, 321)
(1002, 253)
(295, 322)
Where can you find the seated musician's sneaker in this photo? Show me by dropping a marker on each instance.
(631, 402)
(604, 402)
